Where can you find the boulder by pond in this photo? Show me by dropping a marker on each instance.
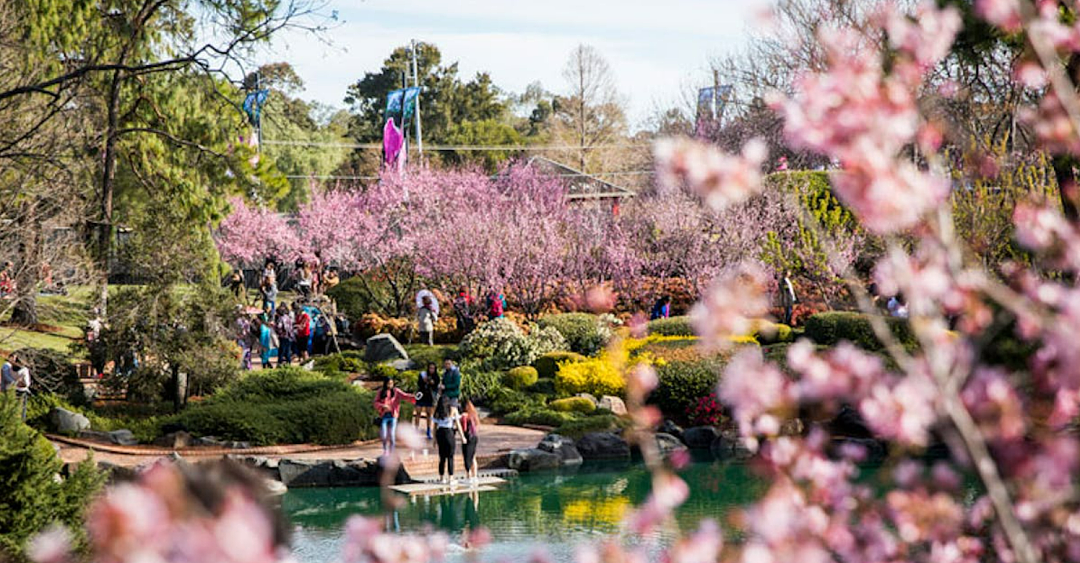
(700, 437)
(603, 445)
(563, 447)
(532, 459)
(613, 404)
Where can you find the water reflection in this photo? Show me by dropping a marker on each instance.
(550, 510)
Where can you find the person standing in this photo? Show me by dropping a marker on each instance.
(305, 280)
(787, 297)
(470, 430)
(388, 407)
(451, 385)
(286, 333)
(7, 373)
(330, 279)
(426, 317)
(446, 425)
(496, 303)
(303, 331)
(22, 384)
(268, 340)
(243, 339)
(236, 286)
(269, 291)
(463, 310)
(661, 309)
(427, 384)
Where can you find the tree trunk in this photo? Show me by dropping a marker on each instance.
(108, 181)
(24, 311)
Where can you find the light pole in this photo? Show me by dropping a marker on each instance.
(416, 83)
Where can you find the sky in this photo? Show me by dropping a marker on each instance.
(657, 49)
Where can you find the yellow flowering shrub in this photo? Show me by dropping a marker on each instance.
(596, 376)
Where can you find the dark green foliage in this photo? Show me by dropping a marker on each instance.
(573, 404)
(596, 423)
(543, 386)
(54, 372)
(479, 386)
(541, 416)
(31, 498)
(422, 355)
(340, 365)
(548, 364)
(359, 295)
(521, 377)
(284, 406)
(832, 327)
(673, 326)
(682, 384)
(504, 401)
(582, 331)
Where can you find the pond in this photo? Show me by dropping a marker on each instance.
(554, 511)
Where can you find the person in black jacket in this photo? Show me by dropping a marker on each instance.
(427, 386)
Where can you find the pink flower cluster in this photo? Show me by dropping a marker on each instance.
(720, 179)
(727, 309)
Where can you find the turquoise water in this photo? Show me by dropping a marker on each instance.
(552, 511)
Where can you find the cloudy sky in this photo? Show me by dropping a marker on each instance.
(656, 49)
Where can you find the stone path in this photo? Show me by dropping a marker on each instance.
(495, 441)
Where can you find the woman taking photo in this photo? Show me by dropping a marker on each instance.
(446, 424)
(470, 429)
(388, 406)
(427, 385)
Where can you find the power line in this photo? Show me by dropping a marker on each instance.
(338, 177)
(372, 146)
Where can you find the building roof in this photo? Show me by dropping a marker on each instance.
(580, 186)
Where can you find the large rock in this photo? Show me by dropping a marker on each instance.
(563, 447)
(669, 427)
(729, 446)
(699, 437)
(403, 365)
(668, 444)
(329, 473)
(532, 459)
(174, 440)
(590, 397)
(123, 437)
(384, 348)
(603, 445)
(67, 422)
(613, 404)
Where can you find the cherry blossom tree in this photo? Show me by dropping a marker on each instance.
(249, 235)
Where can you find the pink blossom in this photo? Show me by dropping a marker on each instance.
(995, 404)
(903, 410)
(721, 179)
(754, 388)
(727, 309)
(1002, 13)
(927, 36)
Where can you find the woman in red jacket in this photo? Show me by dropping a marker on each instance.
(388, 406)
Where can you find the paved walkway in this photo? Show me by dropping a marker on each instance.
(494, 442)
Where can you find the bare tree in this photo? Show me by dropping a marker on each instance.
(591, 113)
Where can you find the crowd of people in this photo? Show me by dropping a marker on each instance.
(438, 400)
(284, 332)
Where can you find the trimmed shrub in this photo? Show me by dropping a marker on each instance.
(32, 496)
(585, 333)
(357, 296)
(547, 365)
(521, 377)
(766, 332)
(672, 326)
(597, 423)
(337, 365)
(572, 404)
(499, 344)
(544, 417)
(832, 327)
(544, 386)
(682, 384)
(596, 376)
(422, 354)
(284, 406)
(505, 401)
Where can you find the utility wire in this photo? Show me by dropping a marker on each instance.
(335, 177)
(372, 146)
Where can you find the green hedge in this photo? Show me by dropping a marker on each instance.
(541, 416)
(597, 423)
(284, 406)
(422, 354)
(340, 365)
(766, 332)
(832, 327)
(479, 386)
(573, 404)
(504, 401)
(672, 326)
(547, 365)
(353, 300)
(682, 384)
(521, 377)
(583, 332)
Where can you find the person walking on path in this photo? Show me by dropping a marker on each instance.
(286, 333)
(269, 291)
(787, 297)
(463, 310)
(451, 385)
(426, 317)
(446, 423)
(7, 373)
(470, 430)
(427, 387)
(388, 406)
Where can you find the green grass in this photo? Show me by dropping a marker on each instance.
(15, 339)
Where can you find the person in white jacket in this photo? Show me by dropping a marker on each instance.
(426, 317)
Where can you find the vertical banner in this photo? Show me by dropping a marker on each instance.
(253, 104)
